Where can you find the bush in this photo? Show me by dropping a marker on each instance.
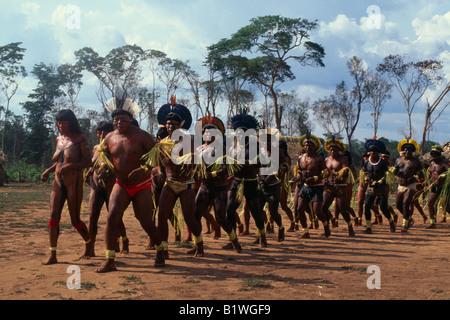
(22, 172)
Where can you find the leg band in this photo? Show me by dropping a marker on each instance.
(79, 226)
(53, 223)
(110, 254)
(197, 239)
(231, 235)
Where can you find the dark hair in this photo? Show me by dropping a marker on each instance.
(349, 156)
(162, 133)
(134, 122)
(105, 126)
(119, 112)
(174, 116)
(68, 115)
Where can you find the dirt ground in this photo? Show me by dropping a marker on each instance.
(412, 266)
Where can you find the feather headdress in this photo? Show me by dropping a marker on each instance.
(436, 149)
(244, 120)
(308, 137)
(375, 145)
(174, 109)
(333, 142)
(408, 142)
(215, 122)
(124, 104)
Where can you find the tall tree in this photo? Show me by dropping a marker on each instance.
(411, 79)
(437, 108)
(11, 74)
(277, 39)
(39, 113)
(379, 90)
(119, 72)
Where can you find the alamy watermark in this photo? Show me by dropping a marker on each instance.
(74, 281)
(374, 281)
(374, 17)
(248, 146)
(73, 17)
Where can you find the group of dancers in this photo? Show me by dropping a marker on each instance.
(129, 166)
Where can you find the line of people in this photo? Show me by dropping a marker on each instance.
(129, 167)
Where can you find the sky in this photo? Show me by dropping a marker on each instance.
(52, 30)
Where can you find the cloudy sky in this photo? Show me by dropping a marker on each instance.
(52, 30)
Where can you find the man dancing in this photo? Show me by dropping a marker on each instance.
(438, 175)
(244, 182)
(179, 176)
(103, 181)
(309, 175)
(213, 188)
(335, 187)
(270, 184)
(123, 149)
(408, 170)
(374, 170)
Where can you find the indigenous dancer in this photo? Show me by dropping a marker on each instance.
(72, 155)
(244, 183)
(438, 188)
(214, 183)
(103, 180)
(335, 187)
(178, 172)
(122, 150)
(270, 184)
(408, 169)
(309, 175)
(285, 191)
(374, 175)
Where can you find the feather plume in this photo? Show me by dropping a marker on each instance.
(125, 104)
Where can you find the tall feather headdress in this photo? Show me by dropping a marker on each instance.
(173, 108)
(124, 104)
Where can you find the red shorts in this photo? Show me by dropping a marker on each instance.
(132, 190)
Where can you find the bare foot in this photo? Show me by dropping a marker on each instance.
(125, 246)
(108, 266)
(51, 260)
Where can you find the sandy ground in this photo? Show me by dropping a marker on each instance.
(412, 266)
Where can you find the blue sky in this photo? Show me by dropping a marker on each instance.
(183, 30)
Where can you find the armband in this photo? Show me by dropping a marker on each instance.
(144, 167)
(214, 174)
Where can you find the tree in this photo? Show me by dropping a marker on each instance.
(297, 122)
(119, 72)
(429, 120)
(11, 74)
(172, 74)
(39, 113)
(70, 79)
(411, 79)
(276, 38)
(379, 90)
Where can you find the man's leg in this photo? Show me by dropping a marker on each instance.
(118, 203)
(143, 209)
(187, 201)
(368, 203)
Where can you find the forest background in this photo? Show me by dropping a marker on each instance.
(249, 69)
